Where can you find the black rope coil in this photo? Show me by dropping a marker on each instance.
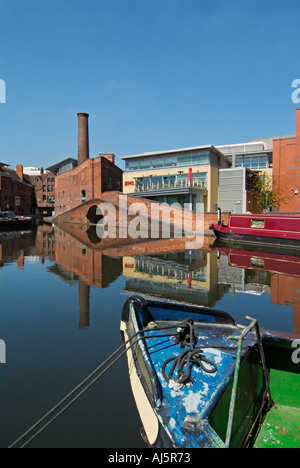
(187, 336)
(187, 359)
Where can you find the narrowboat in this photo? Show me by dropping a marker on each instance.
(202, 381)
(264, 229)
(9, 219)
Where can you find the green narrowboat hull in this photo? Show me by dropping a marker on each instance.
(281, 427)
(279, 423)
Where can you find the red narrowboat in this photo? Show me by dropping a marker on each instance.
(263, 229)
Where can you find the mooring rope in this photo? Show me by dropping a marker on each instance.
(183, 338)
(80, 385)
(187, 337)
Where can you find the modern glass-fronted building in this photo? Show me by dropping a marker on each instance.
(188, 175)
(254, 155)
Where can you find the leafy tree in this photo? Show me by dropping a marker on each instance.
(269, 194)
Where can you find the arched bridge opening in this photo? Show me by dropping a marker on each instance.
(92, 216)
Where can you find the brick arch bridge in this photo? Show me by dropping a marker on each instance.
(87, 212)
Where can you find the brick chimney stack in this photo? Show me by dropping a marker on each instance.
(83, 137)
(110, 156)
(19, 171)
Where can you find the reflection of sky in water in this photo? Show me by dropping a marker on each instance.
(61, 304)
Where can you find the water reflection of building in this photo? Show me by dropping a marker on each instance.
(72, 260)
(189, 276)
(15, 246)
(286, 291)
(275, 273)
(45, 242)
(242, 280)
(192, 276)
(90, 267)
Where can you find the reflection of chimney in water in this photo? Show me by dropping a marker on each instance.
(84, 304)
(83, 138)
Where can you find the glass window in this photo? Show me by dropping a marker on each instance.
(258, 223)
(170, 161)
(201, 177)
(263, 162)
(132, 165)
(254, 162)
(239, 161)
(202, 158)
(247, 161)
(145, 164)
(158, 162)
(184, 160)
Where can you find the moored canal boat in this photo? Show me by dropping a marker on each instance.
(201, 380)
(9, 219)
(263, 229)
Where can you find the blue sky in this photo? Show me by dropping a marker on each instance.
(152, 74)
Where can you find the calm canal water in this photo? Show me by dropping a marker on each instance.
(61, 303)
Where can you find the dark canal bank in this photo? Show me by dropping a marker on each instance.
(61, 303)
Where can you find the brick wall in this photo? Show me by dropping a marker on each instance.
(286, 169)
(14, 194)
(44, 187)
(79, 214)
(86, 182)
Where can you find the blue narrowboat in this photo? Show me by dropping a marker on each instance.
(202, 381)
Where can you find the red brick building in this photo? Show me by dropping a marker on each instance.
(286, 168)
(16, 191)
(44, 188)
(90, 179)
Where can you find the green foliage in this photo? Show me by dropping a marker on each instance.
(269, 194)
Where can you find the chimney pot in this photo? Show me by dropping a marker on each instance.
(83, 137)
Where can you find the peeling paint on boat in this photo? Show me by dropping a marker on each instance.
(186, 413)
(172, 423)
(193, 400)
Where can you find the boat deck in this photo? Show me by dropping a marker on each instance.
(187, 405)
(281, 428)
(258, 407)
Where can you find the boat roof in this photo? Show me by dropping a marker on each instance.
(265, 215)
